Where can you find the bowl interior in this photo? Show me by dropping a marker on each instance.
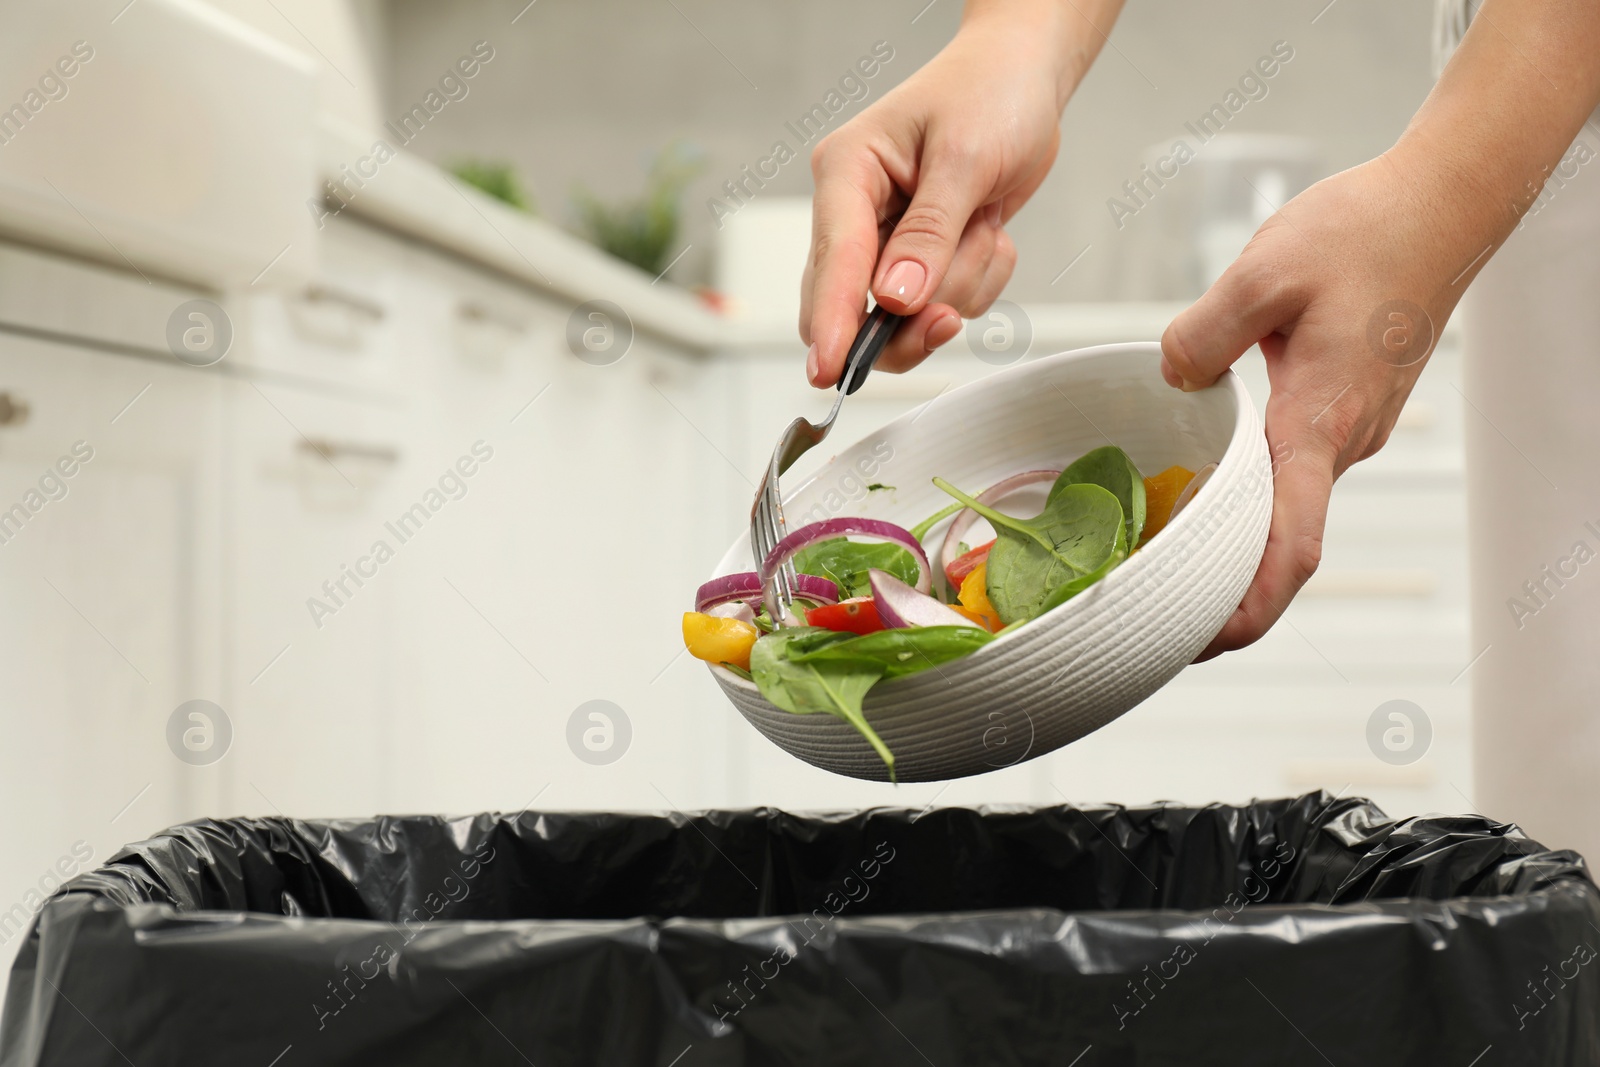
(1043, 413)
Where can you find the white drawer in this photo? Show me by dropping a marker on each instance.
(344, 328)
(55, 298)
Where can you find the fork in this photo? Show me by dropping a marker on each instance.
(767, 527)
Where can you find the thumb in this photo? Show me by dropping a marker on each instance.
(916, 258)
(1241, 307)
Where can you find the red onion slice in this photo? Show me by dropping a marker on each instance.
(990, 496)
(828, 529)
(900, 606)
(746, 586)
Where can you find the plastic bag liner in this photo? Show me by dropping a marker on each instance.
(1302, 931)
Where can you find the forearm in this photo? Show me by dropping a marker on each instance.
(1062, 37)
(1505, 110)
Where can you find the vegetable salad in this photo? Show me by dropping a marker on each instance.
(867, 607)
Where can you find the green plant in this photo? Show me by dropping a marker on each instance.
(497, 179)
(642, 231)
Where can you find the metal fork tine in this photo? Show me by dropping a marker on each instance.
(763, 531)
(786, 575)
(773, 506)
(766, 534)
(767, 526)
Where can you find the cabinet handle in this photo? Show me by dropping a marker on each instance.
(333, 316)
(13, 412)
(324, 294)
(332, 450)
(474, 312)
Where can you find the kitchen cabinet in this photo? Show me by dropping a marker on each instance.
(113, 615)
(558, 577)
(549, 576)
(312, 480)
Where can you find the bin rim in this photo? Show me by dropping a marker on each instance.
(1407, 907)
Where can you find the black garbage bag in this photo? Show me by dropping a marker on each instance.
(1302, 931)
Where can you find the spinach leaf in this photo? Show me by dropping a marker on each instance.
(803, 639)
(804, 669)
(1110, 468)
(920, 530)
(899, 652)
(845, 563)
(1065, 592)
(805, 688)
(1076, 534)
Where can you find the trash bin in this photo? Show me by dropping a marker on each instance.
(1295, 931)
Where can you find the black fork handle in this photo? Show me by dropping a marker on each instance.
(867, 347)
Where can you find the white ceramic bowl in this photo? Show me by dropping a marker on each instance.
(1080, 666)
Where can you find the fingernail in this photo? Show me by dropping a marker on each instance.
(811, 364)
(1169, 375)
(903, 282)
(942, 332)
(994, 213)
(1192, 387)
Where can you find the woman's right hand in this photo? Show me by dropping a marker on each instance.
(953, 151)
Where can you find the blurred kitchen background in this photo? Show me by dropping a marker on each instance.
(532, 279)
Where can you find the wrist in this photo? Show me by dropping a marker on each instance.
(1466, 201)
(1057, 37)
(1462, 211)
(1495, 126)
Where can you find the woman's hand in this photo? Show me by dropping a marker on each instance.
(953, 151)
(1349, 285)
(1346, 289)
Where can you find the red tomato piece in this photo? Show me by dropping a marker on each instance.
(858, 616)
(965, 564)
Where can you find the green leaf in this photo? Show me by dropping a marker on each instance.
(1111, 469)
(1075, 535)
(806, 688)
(804, 669)
(1065, 592)
(899, 652)
(846, 563)
(920, 530)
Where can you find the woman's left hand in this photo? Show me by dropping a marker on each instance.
(1346, 289)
